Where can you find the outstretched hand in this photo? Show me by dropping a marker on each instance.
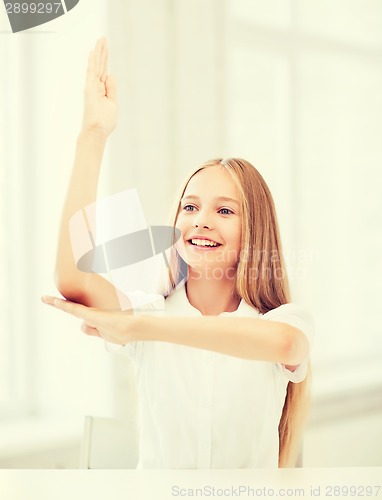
(100, 107)
(116, 327)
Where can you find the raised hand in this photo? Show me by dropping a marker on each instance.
(100, 107)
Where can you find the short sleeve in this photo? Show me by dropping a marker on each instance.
(144, 304)
(299, 317)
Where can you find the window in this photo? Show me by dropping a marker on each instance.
(304, 100)
(15, 360)
(47, 368)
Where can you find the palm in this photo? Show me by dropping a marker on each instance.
(100, 112)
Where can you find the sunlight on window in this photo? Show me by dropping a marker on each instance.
(304, 100)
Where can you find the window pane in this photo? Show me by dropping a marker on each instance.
(258, 121)
(310, 114)
(356, 22)
(340, 126)
(4, 310)
(16, 316)
(275, 13)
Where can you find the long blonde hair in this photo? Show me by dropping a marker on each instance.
(261, 281)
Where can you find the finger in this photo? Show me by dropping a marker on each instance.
(102, 58)
(91, 64)
(104, 62)
(72, 308)
(48, 299)
(89, 330)
(111, 88)
(98, 55)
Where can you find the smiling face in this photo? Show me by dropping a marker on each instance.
(209, 219)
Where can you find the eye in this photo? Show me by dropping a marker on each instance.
(225, 211)
(189, 208)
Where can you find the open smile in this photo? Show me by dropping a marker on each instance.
(203, 244)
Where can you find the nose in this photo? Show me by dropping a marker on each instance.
(201, 220)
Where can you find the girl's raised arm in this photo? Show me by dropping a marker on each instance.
(99, 120)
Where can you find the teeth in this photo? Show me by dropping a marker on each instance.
(204, 243)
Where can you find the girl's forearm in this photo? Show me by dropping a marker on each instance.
(247, 338)
(82, 190)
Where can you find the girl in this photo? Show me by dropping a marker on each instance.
(223, 370)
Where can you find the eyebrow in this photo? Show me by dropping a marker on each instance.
(219, 198)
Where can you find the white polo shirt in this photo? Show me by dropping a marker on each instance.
(204, 410)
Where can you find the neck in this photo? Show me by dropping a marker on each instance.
(212, 297)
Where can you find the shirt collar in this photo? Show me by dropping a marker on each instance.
(179, 301)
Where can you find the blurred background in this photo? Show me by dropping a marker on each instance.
(293, 86)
